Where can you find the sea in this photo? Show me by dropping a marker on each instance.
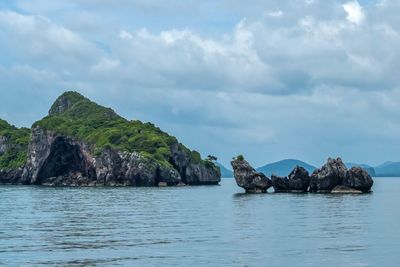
(198, 226)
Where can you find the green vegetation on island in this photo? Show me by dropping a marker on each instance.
(13, 145)
(76, 116)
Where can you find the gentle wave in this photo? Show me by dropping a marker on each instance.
(205, 225)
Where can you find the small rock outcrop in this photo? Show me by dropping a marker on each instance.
(328, 177)
(248, 178)
(341, 189)
(192, 172)
(359, 179)
(336, 178)
(297, 181)
(12, 176)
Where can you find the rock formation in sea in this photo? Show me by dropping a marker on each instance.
(81, 143)
(333, 177)
(297, 181)
(330, 175)
(359, 179)
(334, 173)
(248, 178)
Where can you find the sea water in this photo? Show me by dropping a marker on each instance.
(198, 226)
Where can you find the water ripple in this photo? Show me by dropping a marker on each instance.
(213, 226)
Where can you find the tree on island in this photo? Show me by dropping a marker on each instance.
(211, 158)
(239, 157)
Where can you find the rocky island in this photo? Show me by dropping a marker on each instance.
(81, 143)
(333, 177)
(248, 178)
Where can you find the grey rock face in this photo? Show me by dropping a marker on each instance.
(54, 160)
(197, 174)
(358, 179)
(248, 178)
(66, 101)
(3, 145)
(298, 181)
(334, 177)
(193, 173)
(11, 176)
(279, 183)
(61, 105)
(57, 160)
(328, 177)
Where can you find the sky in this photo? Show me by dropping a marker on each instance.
(305, 79)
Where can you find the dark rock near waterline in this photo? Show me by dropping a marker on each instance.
(328, 177)
(280, 184)
(180, 184)
(336, 178)
(12, 176)
(358, 179)
(248, 178)
(297, 181)
(341, 189)
(162, 184)
(193, 173)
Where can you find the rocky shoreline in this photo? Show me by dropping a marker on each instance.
(58, 160)
(333, 177)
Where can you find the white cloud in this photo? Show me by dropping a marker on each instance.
(295, 86)
(276, 13)
(38, 38)
(355, 13)
(182, 58)
(309, 2)
(125, 35)
(387, 29)
(106, 65)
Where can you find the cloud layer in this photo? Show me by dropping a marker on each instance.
(305, 79)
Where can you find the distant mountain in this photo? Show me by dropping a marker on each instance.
(388, 169)
(284, 167)
(369, 169)
(225, 172)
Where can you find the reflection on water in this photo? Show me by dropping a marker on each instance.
(213, 226)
